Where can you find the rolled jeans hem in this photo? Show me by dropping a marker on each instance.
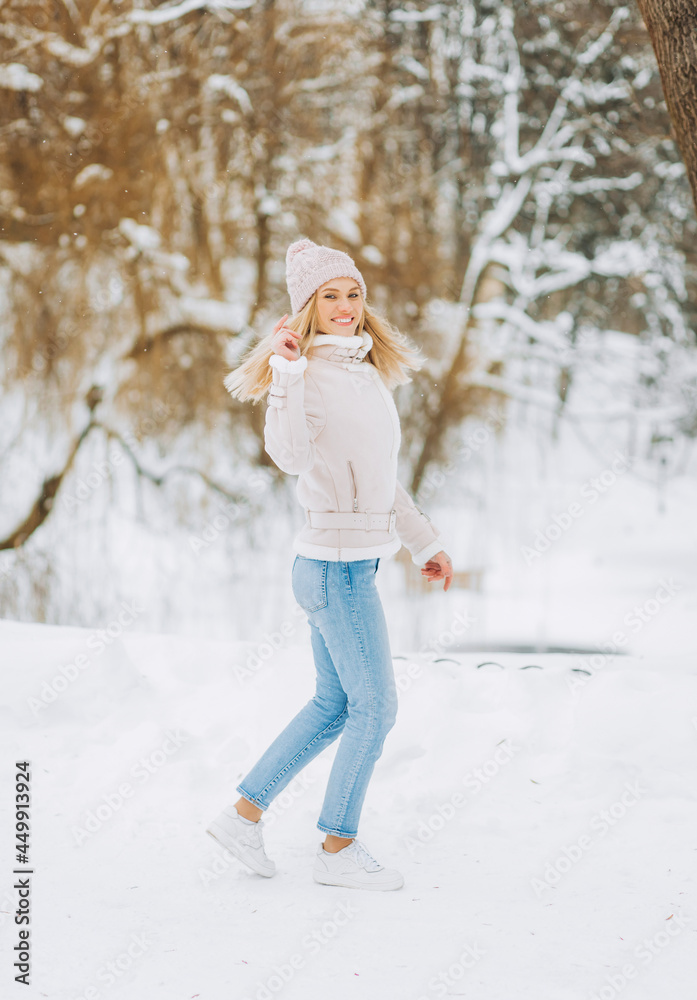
(338, 833)
(251, 798)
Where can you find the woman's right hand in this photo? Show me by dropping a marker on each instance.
(285, 341)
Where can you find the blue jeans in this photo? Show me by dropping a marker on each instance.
(355, 695)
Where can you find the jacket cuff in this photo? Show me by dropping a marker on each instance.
(421, 558)
(282, 364)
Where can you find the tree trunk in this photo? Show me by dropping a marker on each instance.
(672, 25)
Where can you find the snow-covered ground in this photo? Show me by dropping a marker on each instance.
(543, 819)
(541, 805)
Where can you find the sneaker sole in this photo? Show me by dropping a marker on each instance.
(325, 878)
(219, 835)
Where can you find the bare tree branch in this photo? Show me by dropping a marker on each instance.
(42, 506)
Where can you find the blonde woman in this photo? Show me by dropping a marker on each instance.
(332, 422)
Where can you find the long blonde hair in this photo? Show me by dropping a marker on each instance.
(390, 353)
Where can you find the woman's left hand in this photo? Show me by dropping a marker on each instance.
(439, 567)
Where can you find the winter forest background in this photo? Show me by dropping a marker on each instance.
(515, 181)
(505, 176)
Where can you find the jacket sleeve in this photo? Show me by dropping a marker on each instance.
(415, 529)
(294, 416)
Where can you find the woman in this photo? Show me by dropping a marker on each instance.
(331, 421)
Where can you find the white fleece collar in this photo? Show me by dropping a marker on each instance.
(356, 346)
(338, 339)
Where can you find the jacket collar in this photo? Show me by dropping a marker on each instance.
(336, 347)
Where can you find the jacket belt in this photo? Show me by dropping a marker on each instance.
(349, 519)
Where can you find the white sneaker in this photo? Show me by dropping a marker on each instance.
(243, 839)
(355, 868)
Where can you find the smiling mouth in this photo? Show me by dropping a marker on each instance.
(343, 321)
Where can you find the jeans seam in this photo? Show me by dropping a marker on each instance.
(251, 798)
(298, 755)
(338, 833)
(368, 738)
(323, 588)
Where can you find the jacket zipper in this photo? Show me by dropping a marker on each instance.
(353, 484)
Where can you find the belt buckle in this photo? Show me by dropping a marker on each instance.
(393, 519)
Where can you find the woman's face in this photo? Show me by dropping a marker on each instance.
(340, 306)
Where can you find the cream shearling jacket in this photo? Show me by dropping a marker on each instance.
(332, 421)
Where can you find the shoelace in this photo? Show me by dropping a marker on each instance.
(364, 857)
(251, 835)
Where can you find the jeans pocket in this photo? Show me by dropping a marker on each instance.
(309, 584)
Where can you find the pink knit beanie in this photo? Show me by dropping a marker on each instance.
(308, 266)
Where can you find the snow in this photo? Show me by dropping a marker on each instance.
(431, 13)
(597, 47)
(412, 65)
(551, 333)
(606, 184)
(324, 153)
(75, 55)
(403, 95)
(211, 312)
(538, 788)
(170, 12)
(341, 221)
(74, 126)
(539, 816)
(537, 802)
(372, 254)
(231, 88)
(93, 171)
(269, 205)
(16, 76)
(140, 236)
